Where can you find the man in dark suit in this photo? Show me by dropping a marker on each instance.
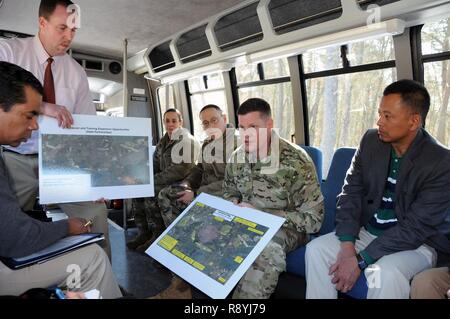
(391, 213)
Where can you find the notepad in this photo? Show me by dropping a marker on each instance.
(62, 246)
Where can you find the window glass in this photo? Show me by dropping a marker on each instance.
(322, 59)
(166, 101)
(272, 69)
(166, 98)
(276, 69)
(342, 108)
(436, 37)
(371, 51)
(437, 81)
(247, 73)
(196, 84)
(279, 96)
(215, 81)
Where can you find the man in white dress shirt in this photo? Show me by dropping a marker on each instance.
(66, 92)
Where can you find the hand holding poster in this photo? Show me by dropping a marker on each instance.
(213, 243)
(99, 157)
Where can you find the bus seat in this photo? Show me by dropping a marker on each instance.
(316, 156)
(331, 188)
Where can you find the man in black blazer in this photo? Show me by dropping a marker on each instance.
(391, 214)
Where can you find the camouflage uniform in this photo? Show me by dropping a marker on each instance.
(205, 177)
(166, 171)
(291, 191)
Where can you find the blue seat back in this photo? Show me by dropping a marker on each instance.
(317, 158)
(332, 186)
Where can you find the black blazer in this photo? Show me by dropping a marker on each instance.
(422, 195)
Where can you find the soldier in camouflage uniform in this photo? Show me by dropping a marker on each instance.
(207, 176)
(285, 186)
(167, 170)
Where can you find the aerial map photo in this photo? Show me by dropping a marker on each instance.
(109, 160)
(212, 241)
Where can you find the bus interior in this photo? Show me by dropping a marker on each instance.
(321, 65)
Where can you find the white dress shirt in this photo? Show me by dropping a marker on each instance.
(71, 84)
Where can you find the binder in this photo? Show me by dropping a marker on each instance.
(62, 246)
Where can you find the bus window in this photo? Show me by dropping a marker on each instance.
(270, 81)
(270, 70)
(166, 101)
(322, 60)
(205, 90)
(165, 98)
(371, 51)
(343, 103)
(436, 59)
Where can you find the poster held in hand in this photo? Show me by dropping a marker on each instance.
(213, 242)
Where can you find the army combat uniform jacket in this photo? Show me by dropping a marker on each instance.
(168, 170)
(207, 176)
(291, 190)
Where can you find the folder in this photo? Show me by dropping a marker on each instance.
(62, 246)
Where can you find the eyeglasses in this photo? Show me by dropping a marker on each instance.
(213, 121)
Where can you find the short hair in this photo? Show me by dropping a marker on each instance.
(173, 110)
(13, 80)
(413, 94)
(211, 106)
(255, 105)
(47, 7)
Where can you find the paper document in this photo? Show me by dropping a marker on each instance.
(99, 157)
(213, 243)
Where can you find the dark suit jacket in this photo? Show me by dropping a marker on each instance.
(422, 195)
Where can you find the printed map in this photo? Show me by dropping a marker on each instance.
(212, 241)
(109, 160)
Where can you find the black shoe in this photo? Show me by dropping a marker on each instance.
(139, 240)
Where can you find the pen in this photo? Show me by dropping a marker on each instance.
(59, 294)
(89, 223)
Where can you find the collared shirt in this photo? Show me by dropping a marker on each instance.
(71, 85)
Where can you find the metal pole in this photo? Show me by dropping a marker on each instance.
(125, 113)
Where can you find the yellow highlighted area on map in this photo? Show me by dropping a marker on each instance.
(222, 280)
(168, 242)
(200, 204)
(245, 222)
(218, 219)
(188, 260)
(238, 259)
(255, 231)
(178, 253)
(198, 266)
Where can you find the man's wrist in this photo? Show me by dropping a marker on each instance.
(362, 264)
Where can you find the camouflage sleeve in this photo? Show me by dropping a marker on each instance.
(181, 165)
(214, 188)
(194, 178)
(305, 201)
(173, 173)
(157, 159)
(230, 191)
